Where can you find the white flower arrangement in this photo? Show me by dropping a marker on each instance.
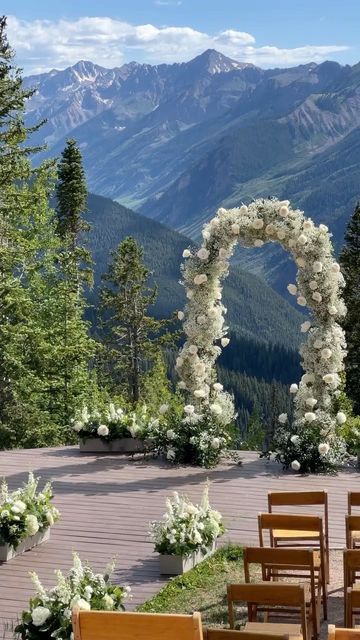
(49, 612)
(25, 511)
(319, 285)
(186, 527)
(113, 422)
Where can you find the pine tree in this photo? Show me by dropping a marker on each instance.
(132, 338)
(350, 264)
(254, 439)
(71, 195)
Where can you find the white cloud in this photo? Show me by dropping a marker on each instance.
(44, 44)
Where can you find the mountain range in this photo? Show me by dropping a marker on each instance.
(175, 141)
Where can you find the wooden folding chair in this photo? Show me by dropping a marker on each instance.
(353, 501)
(110, 625)
(352, 526)
(342, 634)
(231, 634)
(301, 564)
(277, 599)
(351, 559)
(301, 499)
(352, 606)
(307, 525)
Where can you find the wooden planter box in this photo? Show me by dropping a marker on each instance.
(171, 565)
(7, 552)
(119, 445)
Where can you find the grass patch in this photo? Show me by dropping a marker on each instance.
(202, 589)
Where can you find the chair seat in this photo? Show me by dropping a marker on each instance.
(355, 535)
(295, 534)
(276, 628)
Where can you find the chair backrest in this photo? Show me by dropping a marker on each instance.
(231, 634)
(283, 559)
(302, 498)
(352, 603)
(353, 500)
(352, 523)
(342, 634)
(110, 625)
(271, 521)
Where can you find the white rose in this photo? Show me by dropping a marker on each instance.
(189, 409)
(317, 266)
(292, 289)
(294, 439)
(258, 243)
(301, 301)
(329, 378)
(170, 434)
(310, 416)
(311, 402)
(326, 353)
(235, 229)
(193, 349)
(189, 294)
(341, 417)
(18, 507)
(301, 262)
(308, 377)
(305, 326)
(308, 225)
(283, 418)
(180, 315)
(39, 615)
(200, 393)
(269, 229)
(317, 296)
(335, 267)
(203, 253)
(313, 285)
(295, 465)
(302, 239)
(103, 430)
(31, 524)
(294, 388)
(284, 211)
(163, 409)
(224, 342)
(215, 443)
(223, 254)
(218, 386)
(258, 224)
(323, 448)
(186, 253)
(281, 234)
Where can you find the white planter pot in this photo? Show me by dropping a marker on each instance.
(7, 551)
(172, 565)
(119, 445)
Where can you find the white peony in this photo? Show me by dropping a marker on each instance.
(235, 229)
(103, 430)
(323, 448)
(258, 243)
(164, 408)
(283, 418)
(295, 439)
(18, 507)
(189, 409)
(317, 296)
(200, 278)
(218, 386)
(317, 266)
(258, 224)
(32, 525)
(301, 301)
(295, 465)
(180, 315)
(310, 416)
(186, 253)
(200, 393)
(294, 388)
(329, 378)
(302, 239)
(39, 615)
(203, 253)
(292, 288)
(284, 211)
(311, 402)
(305, 326)
(224, 342)
(326, 353)
(341, 417)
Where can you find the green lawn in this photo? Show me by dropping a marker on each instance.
(202, 589)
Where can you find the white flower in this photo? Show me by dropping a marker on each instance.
(329, 378)
(215, 443)
(182, 385)
(317, 296)
(294, 388)
(258, 243)
(170, 434)
(323, 448)
(301, 262)
(308, 225)
(216, 408)
(243, 209)
(224, 342)
(284, 211)
(313, 285)
(326, 353)
(164, 408)
(258, 224)
(301, 301)
(179, 362)
(341, 417)
(79, 603)
(318, 344)
(50, 518)
(292, 288)
(295, 465)
(269, 229)
(235, 229)
(281, 234)
(180, 315)
(193, 349)
(213, 312)
(39, 615)
(77, 426)
(186, 253)
(308, 378)
(332, 310)
(294, 439)
(323, 228)
(223, 254)
(302, 239)
(218, 386)
(206, 234)
(283, 418)
(203, 253)
(103, 430)
(18, 507)
(200, 393)
(190, 294)
(189, 409)
(171, 454)
(200, 278)
(108, 602)
(311, 402)
(317, 266)
(305, 326)
(31, 524)
(201, 319)
(335, 267)
(200, 368)
(310, 416)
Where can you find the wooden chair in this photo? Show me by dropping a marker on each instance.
(231, 634)
(352, 526)
(300, 564)
(110, 625)
(301, 499)
(272, 598)
(352, 606)
(353, 501)
(309, 525)
(351, 573)
(342, 634)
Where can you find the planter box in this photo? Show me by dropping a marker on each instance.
(119, 445)
(7, 551)
(177, 565)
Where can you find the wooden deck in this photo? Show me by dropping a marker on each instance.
(107, 501)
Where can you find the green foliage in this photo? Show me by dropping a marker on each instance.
(255, 433)
(350, 263)
(71, 194)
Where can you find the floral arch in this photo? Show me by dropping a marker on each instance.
(310, 442)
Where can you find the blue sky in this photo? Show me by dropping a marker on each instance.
(265, 32)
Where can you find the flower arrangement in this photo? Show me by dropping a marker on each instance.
(25, 511)
(186, 527)
(113, 422)
(318, 286)
(49, 612)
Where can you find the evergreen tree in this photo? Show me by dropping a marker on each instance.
(254, 439)
(132, 338)
(71, 195)
(350, 263)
